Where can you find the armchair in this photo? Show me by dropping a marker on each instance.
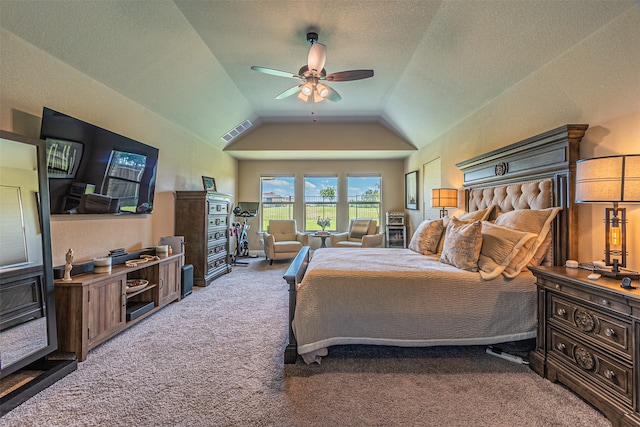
(363, 233)
(282, 239)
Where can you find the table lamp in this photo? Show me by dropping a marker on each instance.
(444, 198)
(615, 180)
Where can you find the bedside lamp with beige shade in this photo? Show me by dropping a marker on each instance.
(614, 180)
(444, 198)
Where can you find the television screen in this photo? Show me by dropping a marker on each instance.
(92, 170)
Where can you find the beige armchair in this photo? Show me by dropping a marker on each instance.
(363, 233)
(282, 239)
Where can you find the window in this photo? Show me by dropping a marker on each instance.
(364, 197)
(278, 196)
(123, 177)
(320, 198)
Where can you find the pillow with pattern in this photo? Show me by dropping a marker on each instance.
(462, 244)
(537, 221)
(499, 246)
(427, 236)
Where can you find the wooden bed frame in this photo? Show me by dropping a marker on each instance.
(548, 156)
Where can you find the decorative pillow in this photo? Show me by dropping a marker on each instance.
(427, 236)
(479, 215)
(537, 221)
(499, 246)
(462, 244)
(358, 229)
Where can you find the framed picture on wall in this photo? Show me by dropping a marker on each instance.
(209, 183)
(411, 190)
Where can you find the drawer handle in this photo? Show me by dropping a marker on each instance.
(609, 332)
(562, 312)
(561, 347)
(557, 286)
(609, 374)
(605, 302)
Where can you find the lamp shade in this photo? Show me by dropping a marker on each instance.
(444, 198)
(613, 179)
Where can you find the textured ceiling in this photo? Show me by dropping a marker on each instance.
(435, 62)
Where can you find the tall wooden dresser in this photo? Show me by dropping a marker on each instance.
(202, 217)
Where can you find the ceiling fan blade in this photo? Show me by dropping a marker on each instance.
(345, 76)
(289, 92)
(273, 72)
(333, 96)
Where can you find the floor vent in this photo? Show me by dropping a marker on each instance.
(236, 131)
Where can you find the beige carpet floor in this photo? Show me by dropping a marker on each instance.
(215, 359)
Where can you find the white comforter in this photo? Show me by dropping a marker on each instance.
(402, 298)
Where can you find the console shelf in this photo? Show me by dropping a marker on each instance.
(91, 308)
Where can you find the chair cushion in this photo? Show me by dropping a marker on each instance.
(287, 246)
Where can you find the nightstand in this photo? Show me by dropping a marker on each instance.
(588, 339)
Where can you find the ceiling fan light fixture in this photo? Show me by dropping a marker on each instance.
(317, 97)
(317, 58)
(307, 89)
(322, 90)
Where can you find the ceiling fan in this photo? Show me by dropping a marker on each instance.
(313, 74)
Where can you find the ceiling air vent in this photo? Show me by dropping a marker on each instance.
(236, 131)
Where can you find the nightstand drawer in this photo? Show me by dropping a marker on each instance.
(612, 375)
(611, 332)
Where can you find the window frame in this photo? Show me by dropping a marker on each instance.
(285, 200)
(310, 223)
(377, 203)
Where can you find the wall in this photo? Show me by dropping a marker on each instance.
(598, 83)
(31, 79)
(250, 171)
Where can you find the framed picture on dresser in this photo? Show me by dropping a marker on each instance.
(209, 183)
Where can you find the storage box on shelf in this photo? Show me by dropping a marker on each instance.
(588, 339)
(203, 219)
(396, 230)
(92, 308)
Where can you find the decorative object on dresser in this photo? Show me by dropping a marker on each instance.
(209, 184)
(94, 307)
(587, 339)
(614, 180)
(396, 230)
(202, 217)
(28, 341)
(443, 198)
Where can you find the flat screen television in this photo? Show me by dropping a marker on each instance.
(92, 170)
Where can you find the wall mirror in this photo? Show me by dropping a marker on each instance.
(27, 310)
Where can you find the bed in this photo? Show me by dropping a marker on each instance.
(406, 297)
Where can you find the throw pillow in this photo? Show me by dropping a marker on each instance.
(499, 246)
(427, 236)
(479, 215)
(537, 221)
(462, 244)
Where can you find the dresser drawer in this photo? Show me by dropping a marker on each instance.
(600, 299)
(216, 262)
(218, 247)
(614, 376)
(217, 221)
(217, 207)
(213, 235)
(610, 332)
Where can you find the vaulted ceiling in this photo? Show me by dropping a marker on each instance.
(435, 62)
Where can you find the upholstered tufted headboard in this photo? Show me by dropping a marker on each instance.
(536, 173)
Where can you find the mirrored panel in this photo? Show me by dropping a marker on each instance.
(27, 320)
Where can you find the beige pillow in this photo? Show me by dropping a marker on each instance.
(427, 236)
(537, 221)
(462, 244)
(479, 215)
(499, 246)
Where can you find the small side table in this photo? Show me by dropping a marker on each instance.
(323, 237)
